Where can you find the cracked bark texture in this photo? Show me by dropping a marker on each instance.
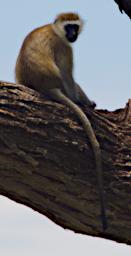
(47, 163)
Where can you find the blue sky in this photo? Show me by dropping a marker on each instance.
(102, 66)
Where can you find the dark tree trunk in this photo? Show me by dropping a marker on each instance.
(47, 163)
(124, 5)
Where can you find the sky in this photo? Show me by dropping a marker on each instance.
(102, 59)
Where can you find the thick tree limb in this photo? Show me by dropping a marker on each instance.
(46, 162)
(124, 5)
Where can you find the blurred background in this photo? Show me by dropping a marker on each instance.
(102, 60)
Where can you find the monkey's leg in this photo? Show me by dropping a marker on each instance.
(57, 95)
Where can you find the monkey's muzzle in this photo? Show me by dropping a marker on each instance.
(71, 32)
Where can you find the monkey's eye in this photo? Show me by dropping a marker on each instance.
(71, 32)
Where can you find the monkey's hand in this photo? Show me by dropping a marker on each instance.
(93, 104)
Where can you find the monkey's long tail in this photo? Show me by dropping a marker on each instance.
(96, 148)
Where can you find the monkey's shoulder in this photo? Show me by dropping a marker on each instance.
(42, 42)
(38, 34)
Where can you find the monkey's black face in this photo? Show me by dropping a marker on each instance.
(72, 31)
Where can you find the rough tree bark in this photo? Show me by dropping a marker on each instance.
(46, 162)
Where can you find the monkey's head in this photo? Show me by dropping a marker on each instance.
(68, 26)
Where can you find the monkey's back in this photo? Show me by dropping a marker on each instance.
(43, 54)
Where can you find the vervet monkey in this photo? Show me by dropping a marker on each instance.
(45, 63)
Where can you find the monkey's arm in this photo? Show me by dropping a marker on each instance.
(66, 83)
(75, 92)
(83, 99)
(70, 87)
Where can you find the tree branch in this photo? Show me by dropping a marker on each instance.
(124, 5)
(47, 163)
